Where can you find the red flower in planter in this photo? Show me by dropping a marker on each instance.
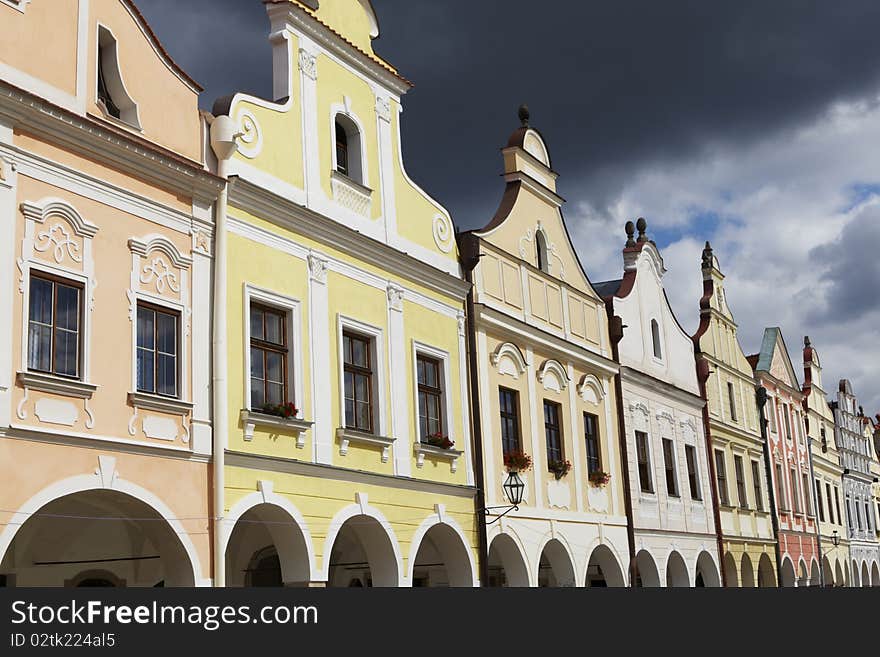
(517, 460)
(439, 440)
(286, 410)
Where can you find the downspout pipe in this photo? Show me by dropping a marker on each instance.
(702, 378)
(469, 258)
(761, 399)
(615, 333)
(223, 143)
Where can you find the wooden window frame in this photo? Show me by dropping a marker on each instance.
(80, 322)
(357, 370)
(594, 464)
(430, 391)
(344, 169)
(669, 468)
(155, 308)
(265, 346)
(642, 440)
(721, 477)
(690, 457)
(513, 418)
(739, 473)
(550, 428)
(756, 485)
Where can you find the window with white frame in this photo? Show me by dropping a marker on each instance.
(431, 387)
(655, 338)
(273, 350)
(541, 252)
(756, 484)
(361, 376)
(643, 456)
(347, 155)
(669, 468)
(690, 453)
(158, 346)
(721, 478)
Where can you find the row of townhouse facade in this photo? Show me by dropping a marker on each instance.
(243, 348)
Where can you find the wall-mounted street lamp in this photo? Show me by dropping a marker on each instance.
(835, 538)
(513, 487)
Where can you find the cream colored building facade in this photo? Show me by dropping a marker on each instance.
(342, 296)
(747, 533)
(544, 379)
(827, 472)
(105, 207)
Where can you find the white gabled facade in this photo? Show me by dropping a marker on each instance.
(672, 506)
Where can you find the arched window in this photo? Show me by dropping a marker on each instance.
(655, 335)
(541, 248)
(348, 148)
(112, 97)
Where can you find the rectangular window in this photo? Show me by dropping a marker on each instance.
(787, 420)
(830, 505)
(795, 497)
(780, 489)
(429, 372)
(690, 454)
(808, 503)
(157, 340)
(721, 476)
(771, 414)
(591, 437)
(669, 467)
(740, 474)
(509, 402)
(731, 398)
(756, 484)
(819, 500)
(269, 351)
(837, 505)
(55, 309)
(358, 374)
(553, 433)
(644, 459)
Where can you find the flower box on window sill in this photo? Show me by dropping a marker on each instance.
(559, 469)
(253, 419)
(599, 478)
(346, 436)
(57, 385)
(158, 403)
(440, 453)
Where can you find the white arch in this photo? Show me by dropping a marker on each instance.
(248, 502)
(622, 573)
(84, 483)
(340, 519)
(360, 148)
(507, 351)
(50, 205)
(590, 389)
(155, 242)
(788, 576)
(517, 541)
(705, 560)
(803, 574)
(426, 526)
(649, 574)
(569, 555)
(553, 369)
(676, 571)
(815, 570)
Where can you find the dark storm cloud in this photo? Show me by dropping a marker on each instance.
(610, 84)
(851, 269)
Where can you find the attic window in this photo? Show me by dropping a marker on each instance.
(541, 247)
(348, 148)
(112, 97)
(655, 335)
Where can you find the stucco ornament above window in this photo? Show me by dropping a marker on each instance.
(509, 360)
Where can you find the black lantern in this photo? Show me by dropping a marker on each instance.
(835, 538)
(514, 488)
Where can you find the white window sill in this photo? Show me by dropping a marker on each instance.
(56, 385)
(252, 419)
(158, 403)
(346, 436)
(439, 453)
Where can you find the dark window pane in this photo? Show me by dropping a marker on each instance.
(167, 333)
(66, 344)
(274, 328)
(40, 347)
(41, 301)
(146, 329)
(349, 412)
(145, 371)
(275, 393)
(258, 395)
(67, 303)
(257, 324)
(167, 375)
(363, 416)
(257, 368)
(274, 367)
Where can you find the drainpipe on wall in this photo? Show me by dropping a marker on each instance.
(761, 398)
(223, 143)
(702, 378)
(615, 333)
(469, 259)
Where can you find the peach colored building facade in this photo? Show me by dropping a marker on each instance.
(106, 212)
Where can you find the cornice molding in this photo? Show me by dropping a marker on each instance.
(88, 138)
(287, 214)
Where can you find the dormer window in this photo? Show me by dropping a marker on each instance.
(541, 248)
(655, 336)
(112, 97)
(348, 148)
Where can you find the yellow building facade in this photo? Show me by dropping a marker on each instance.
(747, 536)
(344, 312)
